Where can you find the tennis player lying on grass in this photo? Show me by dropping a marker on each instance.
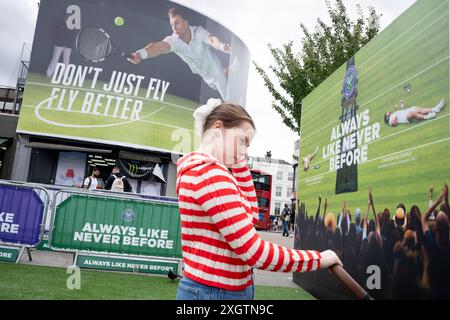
(412, 113)
(218, 208)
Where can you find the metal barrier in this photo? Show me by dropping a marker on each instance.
(55, 197)
(116, 226)
(24, 200)
(52, 189)
(23, 212)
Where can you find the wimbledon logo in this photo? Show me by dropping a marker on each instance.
(350, 80)
(128, 215)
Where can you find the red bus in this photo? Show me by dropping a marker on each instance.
(263, 187)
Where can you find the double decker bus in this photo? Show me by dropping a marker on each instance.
(263, 187)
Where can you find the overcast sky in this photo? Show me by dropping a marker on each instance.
(257, 23)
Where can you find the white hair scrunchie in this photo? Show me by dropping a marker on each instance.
(202, 113)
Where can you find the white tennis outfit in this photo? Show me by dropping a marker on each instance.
(57, 51)
(199, 58)
(401, 115)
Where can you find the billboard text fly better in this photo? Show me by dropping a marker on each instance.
(127, 72)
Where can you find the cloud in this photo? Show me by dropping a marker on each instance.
(16, 27)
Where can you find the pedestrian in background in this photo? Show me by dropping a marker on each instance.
(286, 215)
(91, 182)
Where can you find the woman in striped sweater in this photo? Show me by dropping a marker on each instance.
(218, 208)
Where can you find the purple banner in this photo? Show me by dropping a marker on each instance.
(21, 212)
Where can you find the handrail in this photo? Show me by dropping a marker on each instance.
(98, 192)
(350, 283)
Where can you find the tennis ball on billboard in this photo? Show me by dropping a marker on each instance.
(119, 21)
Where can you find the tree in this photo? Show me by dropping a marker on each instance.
(323, 52)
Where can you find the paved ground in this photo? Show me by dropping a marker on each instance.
(278, 279)
(48, 258)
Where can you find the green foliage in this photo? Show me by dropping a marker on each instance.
(323, 52)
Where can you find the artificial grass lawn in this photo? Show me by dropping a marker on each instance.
(19, 281)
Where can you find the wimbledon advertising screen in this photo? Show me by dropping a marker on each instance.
(87, 82)
(382, 119)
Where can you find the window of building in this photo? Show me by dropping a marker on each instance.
(277, 208)
(289, 192)
(278, 191)
(279, 175)
(290, 176)
(263, 202)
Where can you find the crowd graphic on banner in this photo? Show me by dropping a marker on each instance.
(411, 248)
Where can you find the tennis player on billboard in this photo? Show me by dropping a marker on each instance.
(192, 44)
(63, 41)
(413, 113)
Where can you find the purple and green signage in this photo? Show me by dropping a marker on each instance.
(21, 212)
(9, 254)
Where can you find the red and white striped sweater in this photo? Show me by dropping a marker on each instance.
(219, 242)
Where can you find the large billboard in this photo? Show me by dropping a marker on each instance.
(127, 72)
(381, 122)
(382, 119)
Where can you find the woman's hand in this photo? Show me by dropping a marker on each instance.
(328, 259)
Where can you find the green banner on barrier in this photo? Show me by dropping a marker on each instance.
(9, 254)
(126, 265)
(43, 245)
(100, 224)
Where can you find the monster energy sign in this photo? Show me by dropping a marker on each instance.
(136, 169)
